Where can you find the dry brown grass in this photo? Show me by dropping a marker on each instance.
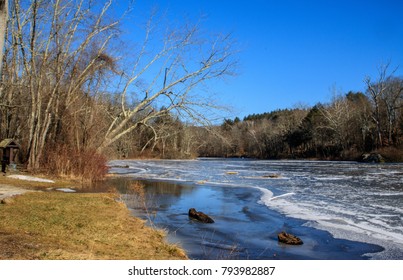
(52, 225)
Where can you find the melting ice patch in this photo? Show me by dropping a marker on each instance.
(282, 195)
(268, 196)
(343, 223)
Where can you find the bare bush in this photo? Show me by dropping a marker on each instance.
(86, 165)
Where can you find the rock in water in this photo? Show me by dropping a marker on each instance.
(372, 158)
(290, 239)
(200, 216)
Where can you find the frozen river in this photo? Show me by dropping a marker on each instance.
(350, 201)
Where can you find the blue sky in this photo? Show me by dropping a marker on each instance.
(296, 52)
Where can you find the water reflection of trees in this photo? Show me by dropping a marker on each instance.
(155, 187)
(158, 194)
(168, 188)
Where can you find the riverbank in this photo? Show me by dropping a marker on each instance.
(43, 224)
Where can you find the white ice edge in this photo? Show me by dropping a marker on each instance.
(343, 229)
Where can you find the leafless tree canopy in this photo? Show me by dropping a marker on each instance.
(68, 80)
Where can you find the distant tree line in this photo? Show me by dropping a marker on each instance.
(348, 126)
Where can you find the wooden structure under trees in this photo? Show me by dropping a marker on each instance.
(8, 146)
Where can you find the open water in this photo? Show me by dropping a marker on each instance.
(341, 210)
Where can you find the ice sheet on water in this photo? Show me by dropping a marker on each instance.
(355, 201)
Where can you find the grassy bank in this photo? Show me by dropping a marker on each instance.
(54, 225)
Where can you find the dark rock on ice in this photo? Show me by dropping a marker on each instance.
(200, 216)
(372, 158)
(290, 239)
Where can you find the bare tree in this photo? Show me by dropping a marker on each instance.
(376, 91)
(67, 85)
(337, 116)
(170, 78)
(3, 27)
(58, 47)
(393, 102)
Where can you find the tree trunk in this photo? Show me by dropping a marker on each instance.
(3, 27)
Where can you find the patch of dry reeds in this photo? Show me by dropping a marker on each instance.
(85, 165)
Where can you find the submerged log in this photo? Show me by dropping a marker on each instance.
(200, 216)
(290, 239)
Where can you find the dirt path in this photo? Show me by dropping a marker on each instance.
(7, 191)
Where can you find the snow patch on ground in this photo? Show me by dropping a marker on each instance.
(7, 191)
(66, 190)
(30, 178)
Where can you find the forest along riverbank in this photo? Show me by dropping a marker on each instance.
(339, 208)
